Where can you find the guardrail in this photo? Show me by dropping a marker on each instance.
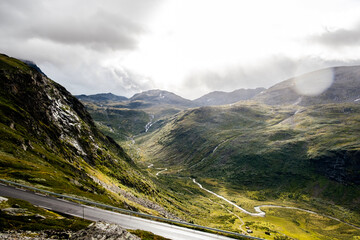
(129, 211)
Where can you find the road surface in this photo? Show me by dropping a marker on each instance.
(260, 213)
(97, 214)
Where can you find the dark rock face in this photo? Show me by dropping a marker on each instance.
(341, 166)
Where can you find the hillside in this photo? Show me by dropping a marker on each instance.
(307, 155)
(256, 144)
(331, 85)
(222, 98)
(50, 141)
(124, 118)
(101, 97)
(161, 97)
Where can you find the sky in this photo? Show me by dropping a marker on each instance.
(189, 47)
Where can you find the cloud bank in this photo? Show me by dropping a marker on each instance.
(187, 47)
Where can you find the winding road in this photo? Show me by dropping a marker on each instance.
(260, 213)
(97, 214)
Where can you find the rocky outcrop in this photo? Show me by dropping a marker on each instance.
(96, 231)
(101, 230)
(51, 114)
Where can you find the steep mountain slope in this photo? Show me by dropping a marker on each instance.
(222, 98)
(49, 140)
(332, 85)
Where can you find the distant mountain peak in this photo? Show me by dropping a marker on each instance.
(222, 98)
(101, 97)
(157, 96)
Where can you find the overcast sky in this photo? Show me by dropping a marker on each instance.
(189, 47)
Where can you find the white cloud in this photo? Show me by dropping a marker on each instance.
(189, 47)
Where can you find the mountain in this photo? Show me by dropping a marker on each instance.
(123, 118)
(146, 111)
(222, 98)
(331, 85)
(160, 97)
(270, 149)
(101, 97)
(295, 148)
(50, 141)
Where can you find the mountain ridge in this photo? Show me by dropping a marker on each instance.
(216, 98)
(339, 84)
(157, 96)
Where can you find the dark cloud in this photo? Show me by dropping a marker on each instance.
(116, 25)
(71, 39)
(339, 38)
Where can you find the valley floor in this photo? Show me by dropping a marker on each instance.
(211, 203)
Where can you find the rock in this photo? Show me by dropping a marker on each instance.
(96, 231)
(102, 230)
(14, 211)
(41, 217)
(2, 199)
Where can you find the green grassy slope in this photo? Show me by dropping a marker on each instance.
(312, 150)
(255, 154)
(122, 120)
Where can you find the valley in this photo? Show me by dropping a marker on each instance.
(301, 158)
(274, 165)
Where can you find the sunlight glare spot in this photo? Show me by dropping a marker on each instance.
(314, 84)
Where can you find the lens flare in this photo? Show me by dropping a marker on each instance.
(314, 84)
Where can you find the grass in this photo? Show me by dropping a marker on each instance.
(29, 218)
(65, 154)
(145, 235)
(205, 209)
(263, 156)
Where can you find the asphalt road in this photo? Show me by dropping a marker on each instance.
(97, 214)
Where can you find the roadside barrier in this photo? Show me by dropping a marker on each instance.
(129, 212)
